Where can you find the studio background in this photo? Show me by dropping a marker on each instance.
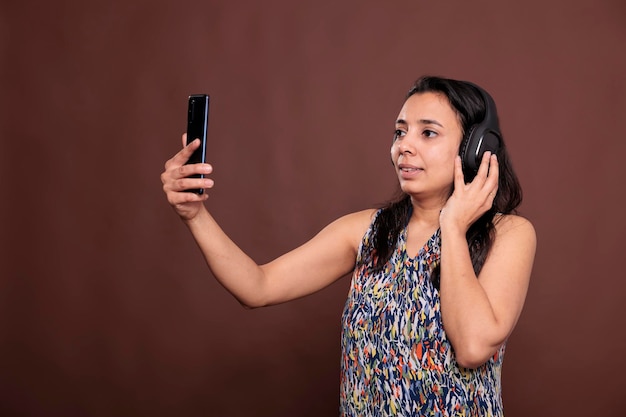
(106, 305)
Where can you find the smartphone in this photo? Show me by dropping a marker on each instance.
(197, 126)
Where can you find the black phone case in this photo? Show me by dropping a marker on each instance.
(197, 127)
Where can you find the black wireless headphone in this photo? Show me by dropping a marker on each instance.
(481, 137)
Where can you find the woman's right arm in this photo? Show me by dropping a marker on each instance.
(322, 260)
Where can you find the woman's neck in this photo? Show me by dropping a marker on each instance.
(426, 212)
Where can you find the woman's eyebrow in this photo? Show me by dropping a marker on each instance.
(430, 122)
(422, 121)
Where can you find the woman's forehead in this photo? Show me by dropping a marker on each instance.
(428, 106)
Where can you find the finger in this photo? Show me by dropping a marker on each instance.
(183, 155)
(176, 172)
(483, 169)
(193, 171)
(183, 184)
(176, 199)
(184, 140)
(491, 184)
(459, 179)
(494, 174)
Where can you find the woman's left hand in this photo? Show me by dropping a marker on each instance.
(470, 201)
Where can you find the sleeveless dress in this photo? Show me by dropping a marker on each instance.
(396, 358)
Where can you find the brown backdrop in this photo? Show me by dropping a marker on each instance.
(106, 306)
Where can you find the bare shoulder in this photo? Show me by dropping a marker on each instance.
(512, 256)
(361, 218)
(518, 228)
(509, 222)
(352, 226)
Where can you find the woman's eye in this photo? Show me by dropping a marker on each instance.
(429, 133)
(398, 134)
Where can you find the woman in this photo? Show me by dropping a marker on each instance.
(439, 275)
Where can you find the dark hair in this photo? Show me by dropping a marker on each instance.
(469, 106)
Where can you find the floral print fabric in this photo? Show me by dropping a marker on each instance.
(396, 358)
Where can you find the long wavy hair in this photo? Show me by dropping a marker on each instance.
(468, 104)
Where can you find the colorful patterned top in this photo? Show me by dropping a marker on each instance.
(397, 360)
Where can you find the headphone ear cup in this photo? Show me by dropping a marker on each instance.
(491, 143)
(482, 137)
(466, 162)
(480, 140)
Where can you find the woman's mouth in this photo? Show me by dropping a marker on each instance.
(408, 171)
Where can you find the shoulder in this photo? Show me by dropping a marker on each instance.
(357, 221)
(353, 226)
(510, 222)
(512, 254)
(516, 228)
(361, 217)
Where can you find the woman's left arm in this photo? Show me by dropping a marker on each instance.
(479, 313)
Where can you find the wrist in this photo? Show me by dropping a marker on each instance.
(199, 218)
(452, 229)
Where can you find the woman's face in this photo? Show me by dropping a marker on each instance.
(427, 139)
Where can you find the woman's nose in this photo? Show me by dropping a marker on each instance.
(406, 145)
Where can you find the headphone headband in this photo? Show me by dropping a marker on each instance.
(491, 114)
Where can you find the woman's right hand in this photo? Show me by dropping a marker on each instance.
(175, 181)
